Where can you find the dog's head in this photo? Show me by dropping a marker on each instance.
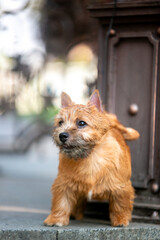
(78, 128)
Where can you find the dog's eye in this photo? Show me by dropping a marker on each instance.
(60, 123)
(81, 123)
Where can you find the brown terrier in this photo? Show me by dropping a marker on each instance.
(94, 162)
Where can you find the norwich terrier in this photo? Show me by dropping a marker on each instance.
(94, 162)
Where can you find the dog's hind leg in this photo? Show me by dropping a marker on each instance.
(79, 208)
(120, 206)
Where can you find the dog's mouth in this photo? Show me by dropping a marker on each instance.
(76, 151)
(68, 147)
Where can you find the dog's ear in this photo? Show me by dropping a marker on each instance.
(66, 100)
(96, 101)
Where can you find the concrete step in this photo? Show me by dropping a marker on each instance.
(27, 225)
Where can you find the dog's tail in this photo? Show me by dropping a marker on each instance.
(128, 133)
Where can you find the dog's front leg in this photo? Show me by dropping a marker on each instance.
(62, 204)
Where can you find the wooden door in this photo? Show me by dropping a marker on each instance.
(132, 79)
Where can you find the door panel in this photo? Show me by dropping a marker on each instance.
(132, 79)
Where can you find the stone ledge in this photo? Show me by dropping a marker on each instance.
(27, 226)
(134, 232)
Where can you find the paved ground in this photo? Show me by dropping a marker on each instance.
(25, 198)
(40, 161)
(29, 226)
(25, 203)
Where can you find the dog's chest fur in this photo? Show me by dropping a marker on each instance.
(94, 175)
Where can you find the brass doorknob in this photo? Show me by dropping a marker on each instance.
(158, 30)
(133, 109)
(155, 187)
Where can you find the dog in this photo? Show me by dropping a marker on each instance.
(94, 162)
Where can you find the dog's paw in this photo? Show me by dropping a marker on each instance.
(51, 221)
(122, 223)
(119, 221)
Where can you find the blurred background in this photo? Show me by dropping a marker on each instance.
(46, 47)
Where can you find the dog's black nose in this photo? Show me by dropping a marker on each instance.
(63, 137)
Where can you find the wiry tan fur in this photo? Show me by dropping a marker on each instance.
(94, 163)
